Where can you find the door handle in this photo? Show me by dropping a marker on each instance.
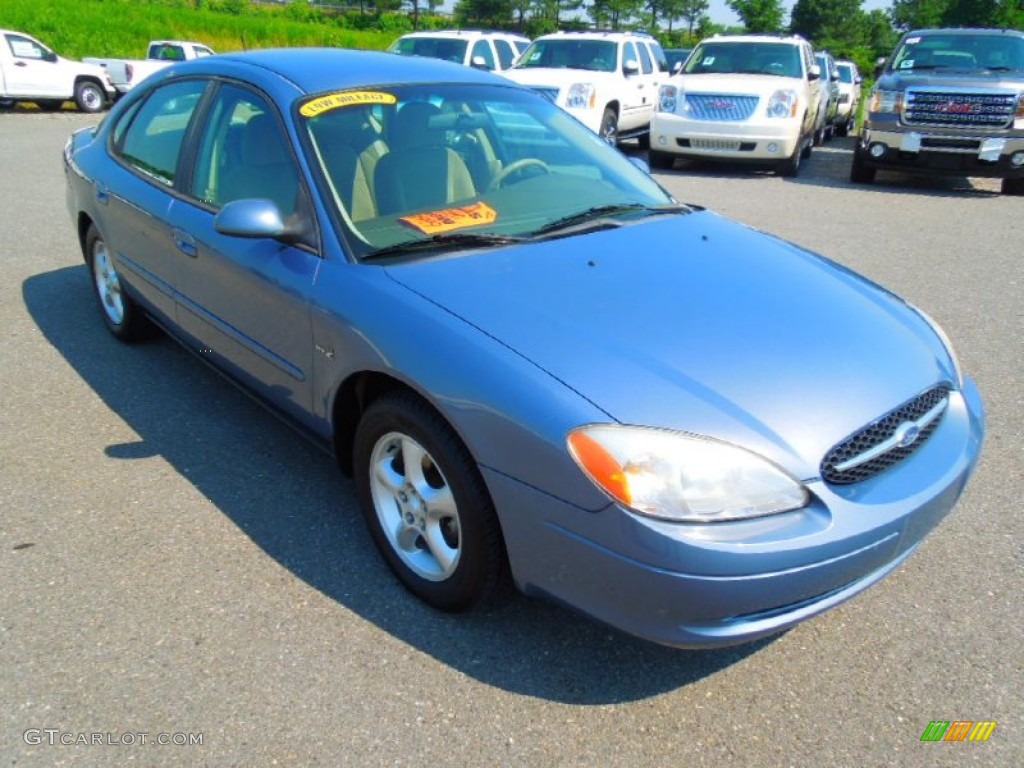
(184, 242)
(20, 64)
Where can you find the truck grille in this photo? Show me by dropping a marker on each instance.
(886, 441)
(723, 107)
(959, 109)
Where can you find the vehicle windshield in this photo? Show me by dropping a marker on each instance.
(594, 55)
(999, 52)
(401, 164)
(845, 73)
(779, 59)
(446, 48)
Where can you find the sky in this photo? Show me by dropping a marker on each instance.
(720, 13)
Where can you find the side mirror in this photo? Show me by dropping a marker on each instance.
(814, 73)
(677, 67)
(478, 62)
(879, 66)
(630, 67)
(857, 80)
(50, 56)
(834, 77)
(253, 218)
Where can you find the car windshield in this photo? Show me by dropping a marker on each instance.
(845, 73)
(403, 164)
(595, 55)
(446, 48)
(998, 52)
(779, 59)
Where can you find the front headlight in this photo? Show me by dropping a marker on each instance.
(667, 98)
(783, 104)
(581, 96)
(681, 477)
(887, 101)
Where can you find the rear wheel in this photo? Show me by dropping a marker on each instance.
(89, 96)
(426, 505)
(1013, 187)
(122, 316)
(6, 104)
(644, 140)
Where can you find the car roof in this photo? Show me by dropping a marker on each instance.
(313, 70)
(791, 39)
(966, 31)
(596, 34)
(465, 33)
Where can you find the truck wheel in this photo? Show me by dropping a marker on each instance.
(6, 104)
(644, 140)
(790, 167)
(1013, 187)
(860, 173)
(610, 126)
(89, 96)
(661, 160)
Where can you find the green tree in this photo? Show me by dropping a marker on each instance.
(833, 20)
(918, 14)
(614, 13)
(972, 13)
(486, 13)
(759, 15)
(692, 11)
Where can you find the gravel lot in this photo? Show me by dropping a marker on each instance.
(175, 561)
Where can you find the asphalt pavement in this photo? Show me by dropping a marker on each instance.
(177, 566)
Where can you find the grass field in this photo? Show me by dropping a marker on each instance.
(121, 28)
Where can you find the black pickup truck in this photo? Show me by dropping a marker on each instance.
(951, 102)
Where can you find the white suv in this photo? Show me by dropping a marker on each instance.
(474, 48)
(751, 98)
(607, 80)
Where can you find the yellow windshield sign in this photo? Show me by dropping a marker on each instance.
(345, 99)
(436, 222)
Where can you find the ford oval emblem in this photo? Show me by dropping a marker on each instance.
(907, 434)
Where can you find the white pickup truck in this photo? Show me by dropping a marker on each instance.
(125, 73)
(29, 71)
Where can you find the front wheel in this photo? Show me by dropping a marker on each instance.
(89, 96)
(122, 316)
(610, 126)
(660, 160)
(790, 167)
(426, 505)
(860, 173)
(1013, 187)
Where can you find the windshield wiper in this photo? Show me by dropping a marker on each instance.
(454, 242)
(603, 211)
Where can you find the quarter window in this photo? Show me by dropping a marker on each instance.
(152, 140)
(482, 49)
(645, 60)
(505, 53)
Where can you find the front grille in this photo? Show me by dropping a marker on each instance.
(959, 109)
(551, 94)
(878, 446)
(721, 107)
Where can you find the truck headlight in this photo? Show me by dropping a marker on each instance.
(681, 477)
(581, 96)
(887, 101)
(783, 104)
(668, 98)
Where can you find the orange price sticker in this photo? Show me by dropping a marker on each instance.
(435, 222)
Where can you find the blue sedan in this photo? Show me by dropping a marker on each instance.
(536, 363)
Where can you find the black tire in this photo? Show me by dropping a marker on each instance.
(123, 317)
(89, 96)
(860, 173)
(842, 129)
(453, 556)
(808, 148)
(6, 104)
(610, 126)
(819, 137)
(790, 167)
(644, 140)
(1013, 187)
(663, 161)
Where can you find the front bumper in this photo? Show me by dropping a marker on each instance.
(694, 586)
(942, 152)
(773, 140)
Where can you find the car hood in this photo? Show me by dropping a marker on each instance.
(714, 82)
(561, 78)
(698, 324)
(946, 78)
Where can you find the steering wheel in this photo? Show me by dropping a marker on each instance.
(775, 68)
(515, 167)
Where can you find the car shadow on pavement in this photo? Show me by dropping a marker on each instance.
(829, 166)
(290, 499)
